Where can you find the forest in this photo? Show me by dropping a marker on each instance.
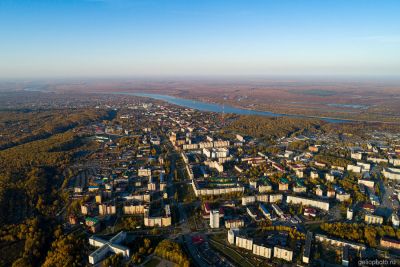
(31, 179)
(172, 251)
(267, 128)
(22, 126)
(366, 234)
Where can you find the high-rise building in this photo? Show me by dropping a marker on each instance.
(214, 219)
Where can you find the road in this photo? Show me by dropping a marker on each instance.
(185, 234)
(387, 204)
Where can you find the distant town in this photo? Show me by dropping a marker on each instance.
(184, 133)
(157, 184)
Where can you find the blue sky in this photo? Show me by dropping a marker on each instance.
(118, 38)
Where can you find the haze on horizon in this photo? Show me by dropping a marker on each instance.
(115, 38)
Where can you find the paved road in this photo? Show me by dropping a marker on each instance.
(195, 255)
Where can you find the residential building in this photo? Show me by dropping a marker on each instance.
(214, 219)
(244, 242)
(308, 202)
(373, 219)
(390, 243)
(349, 214)
(283, 253)
(234, 223)
(106, 247)
(232, 233)
(307, 248)
(262, 251)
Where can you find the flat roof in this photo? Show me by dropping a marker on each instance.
(307, 246)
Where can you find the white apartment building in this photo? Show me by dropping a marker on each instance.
(262, 251)
(308, 202)
(214, 219)
(283, 253)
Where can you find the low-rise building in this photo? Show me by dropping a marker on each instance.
(107, 209)
(283, 253)
(349, 214)
(354, 168)
(390, 243)
(262, 251)
(106, 247)
(314, 175)
(275, 198)
(330, 193)
(345, 256)
(395, 220)
(308, 202)
(343, 197)
(244, 242)
(391, 173)
(265, 211)
(158, 221)
(93, 224)
(134, 208)
(232, 233)
(307, 248)
(247, 200)
(373, 219)
(339, 242)
(283, 184)
(278, 210)
(234, 223)
(142, 172)
(310, 212)
(299, 187)
(329, 177)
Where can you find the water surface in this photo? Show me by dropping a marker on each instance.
(203, 106)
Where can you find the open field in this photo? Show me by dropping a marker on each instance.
(358, 100)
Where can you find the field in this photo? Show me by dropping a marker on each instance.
(366, 100)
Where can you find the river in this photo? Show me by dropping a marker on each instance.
(203, 106)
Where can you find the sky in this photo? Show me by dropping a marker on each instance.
(128, 38)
